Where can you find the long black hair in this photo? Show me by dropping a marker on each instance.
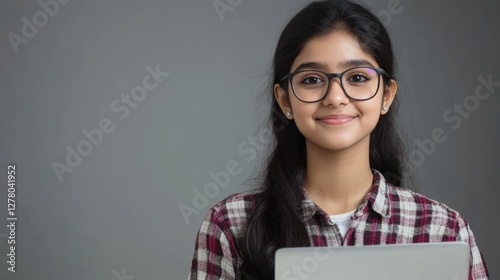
(275, 222)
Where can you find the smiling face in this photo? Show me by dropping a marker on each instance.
(353, 120)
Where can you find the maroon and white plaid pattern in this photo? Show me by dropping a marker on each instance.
(388, 215)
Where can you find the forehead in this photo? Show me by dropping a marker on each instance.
(333, 50)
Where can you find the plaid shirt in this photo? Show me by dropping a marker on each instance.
(388, 215)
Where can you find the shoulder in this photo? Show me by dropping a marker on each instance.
(217, 243)
(409, 198)
(409, 204)
(431, 220)
(233, 206)
(421, 211)
(231, 213)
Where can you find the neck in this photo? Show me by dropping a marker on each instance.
(338, 181)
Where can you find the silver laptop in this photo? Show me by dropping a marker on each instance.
(417, 261)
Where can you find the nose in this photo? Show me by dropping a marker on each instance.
(335, 95)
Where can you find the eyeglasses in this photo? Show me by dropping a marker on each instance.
(358, 83)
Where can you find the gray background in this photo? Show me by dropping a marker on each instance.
(119, 207)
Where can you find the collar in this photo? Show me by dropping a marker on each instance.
(377, 199)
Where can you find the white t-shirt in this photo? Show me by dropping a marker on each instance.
(343, 221)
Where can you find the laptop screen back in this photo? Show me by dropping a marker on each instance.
(417, 261)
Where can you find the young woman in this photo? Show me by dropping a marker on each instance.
(325, 184)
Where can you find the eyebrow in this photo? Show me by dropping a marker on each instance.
(343, 64)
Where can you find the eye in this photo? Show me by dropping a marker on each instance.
(311, 80)
(357, 78)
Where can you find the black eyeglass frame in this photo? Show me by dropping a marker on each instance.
(330, 76)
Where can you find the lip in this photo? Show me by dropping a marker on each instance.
(336, 119)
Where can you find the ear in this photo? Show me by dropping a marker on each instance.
(389, 94)
(282, 98)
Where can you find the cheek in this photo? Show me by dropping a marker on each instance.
(302, 110)
(370, 113)
(303, 115)
(372, 108)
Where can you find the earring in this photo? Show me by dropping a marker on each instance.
(288, 113)
(385, 108)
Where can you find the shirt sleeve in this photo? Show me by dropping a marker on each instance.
(213, 255)
(477, 267)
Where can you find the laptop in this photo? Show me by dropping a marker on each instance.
(416, 261)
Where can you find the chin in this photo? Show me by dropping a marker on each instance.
(337, 147)
(334, 146)
(338, 143)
